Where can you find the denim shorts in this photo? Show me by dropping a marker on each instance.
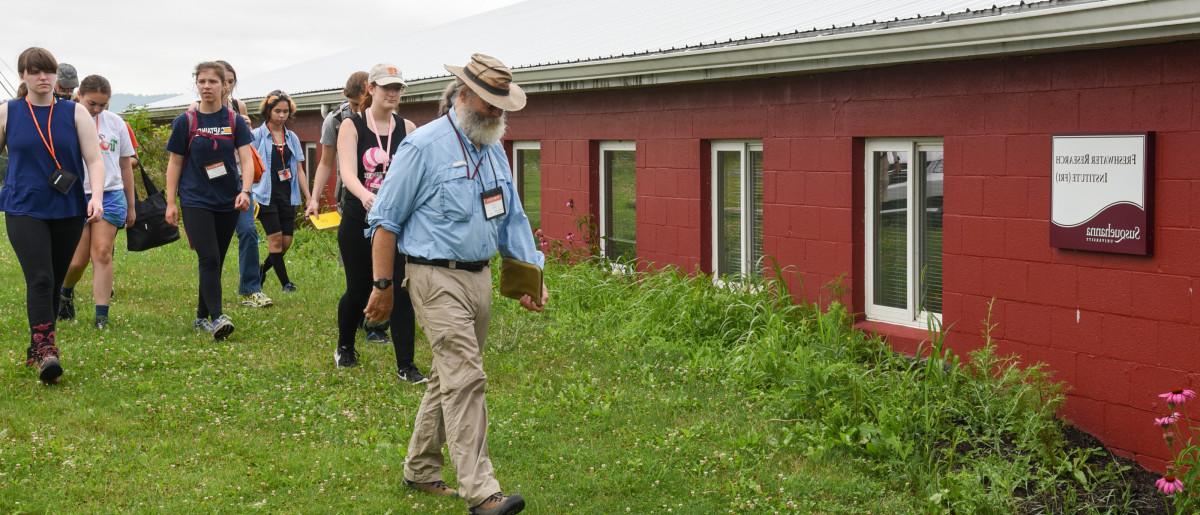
(115, 207)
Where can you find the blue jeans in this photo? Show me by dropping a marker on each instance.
(247, 235)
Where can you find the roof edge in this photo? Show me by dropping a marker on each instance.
(1099, 24)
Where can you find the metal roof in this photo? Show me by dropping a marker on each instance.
(542, 32)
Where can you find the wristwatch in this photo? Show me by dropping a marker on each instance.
(382, 284)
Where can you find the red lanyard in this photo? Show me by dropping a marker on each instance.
(49, 143)
(280, 147)
(466, 157)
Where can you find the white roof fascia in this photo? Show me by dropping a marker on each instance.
(1100, 24)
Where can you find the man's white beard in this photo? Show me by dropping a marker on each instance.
(482, 130)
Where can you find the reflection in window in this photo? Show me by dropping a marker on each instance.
(528, 167)
(891, 232)
(619, 176)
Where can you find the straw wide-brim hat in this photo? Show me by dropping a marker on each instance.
(492, 81)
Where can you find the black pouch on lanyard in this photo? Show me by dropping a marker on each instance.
(62, 180)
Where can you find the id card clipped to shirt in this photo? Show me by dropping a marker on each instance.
(215, 170)
(493, 203)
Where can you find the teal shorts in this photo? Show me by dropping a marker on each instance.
(115, 207)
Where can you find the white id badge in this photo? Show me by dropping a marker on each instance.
(493, 203)
(216, 170)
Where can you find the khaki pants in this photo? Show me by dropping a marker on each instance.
(453, 308)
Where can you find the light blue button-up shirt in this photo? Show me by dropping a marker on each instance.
(428, 201)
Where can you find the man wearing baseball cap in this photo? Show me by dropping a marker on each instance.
(68, 80)
(448, 203)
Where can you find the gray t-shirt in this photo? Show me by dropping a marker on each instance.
(333, 121)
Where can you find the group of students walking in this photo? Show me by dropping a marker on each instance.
(57, 226)
(59, 129)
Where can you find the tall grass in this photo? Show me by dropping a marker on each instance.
(966, 436)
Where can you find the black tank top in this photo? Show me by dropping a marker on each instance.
(351, 206)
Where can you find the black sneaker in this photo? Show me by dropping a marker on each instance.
(345, 358)
(222, 327)
(66, 307)
(101, 322)
(289, 288)
(412, 375)
(377, 334)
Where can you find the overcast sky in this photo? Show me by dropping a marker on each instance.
(150, 46)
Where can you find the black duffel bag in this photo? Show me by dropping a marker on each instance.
(151, 228)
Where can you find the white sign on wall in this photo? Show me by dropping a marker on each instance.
(1100, 193)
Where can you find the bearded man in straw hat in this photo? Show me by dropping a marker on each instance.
(448, 204)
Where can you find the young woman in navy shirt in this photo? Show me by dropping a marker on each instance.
(202, 172)
(48, 141)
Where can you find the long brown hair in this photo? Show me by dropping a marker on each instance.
(36, 59)
(216, 67)
(94, 84)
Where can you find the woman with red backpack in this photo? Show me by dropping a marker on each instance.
(205, 146)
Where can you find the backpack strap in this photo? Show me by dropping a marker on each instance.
(194, 129)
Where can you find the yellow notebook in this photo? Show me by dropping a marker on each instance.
(326, 220)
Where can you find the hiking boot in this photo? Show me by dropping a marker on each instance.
(412, 375)
(438, 488)
(499, 504)
(66, 307)
(289, 288)
(345, 358)
(101, 322)
(49, 367)
(221, 327)
(202, 324)
(377, 334)
(257, 299)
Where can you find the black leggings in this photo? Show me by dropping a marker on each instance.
(356, 260)
(209, 232)
(44, 249)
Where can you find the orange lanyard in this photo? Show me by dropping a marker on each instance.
(49, 143)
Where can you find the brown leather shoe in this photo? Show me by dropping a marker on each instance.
(438, 488)
(499, 504)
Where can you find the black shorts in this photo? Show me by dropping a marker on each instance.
(279, 217)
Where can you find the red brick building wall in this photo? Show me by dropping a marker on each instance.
(1118, 329)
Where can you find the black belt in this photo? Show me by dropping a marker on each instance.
(470, 266)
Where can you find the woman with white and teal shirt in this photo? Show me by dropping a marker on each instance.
(96, 243)
(279, 190)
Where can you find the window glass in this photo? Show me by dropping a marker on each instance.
(621, 204)
(529, 173)
(931, 231)
(891, 228)
(729, 239)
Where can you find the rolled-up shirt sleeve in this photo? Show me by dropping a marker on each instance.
(397, 198)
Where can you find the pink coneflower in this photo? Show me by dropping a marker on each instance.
(571, 203)
(571, 237)
(545, 245)
(1177, 397)
(1167, 420)
(539, 233)
(1169, 485)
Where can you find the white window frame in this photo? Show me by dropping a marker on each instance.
(887, 314)
(743, 148)
(518, 178)
(608, 146)
(310, 166)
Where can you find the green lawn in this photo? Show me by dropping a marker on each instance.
(585, 418)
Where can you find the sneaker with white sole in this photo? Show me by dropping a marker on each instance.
(222, 327)
(257, 299)
(410, 374)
